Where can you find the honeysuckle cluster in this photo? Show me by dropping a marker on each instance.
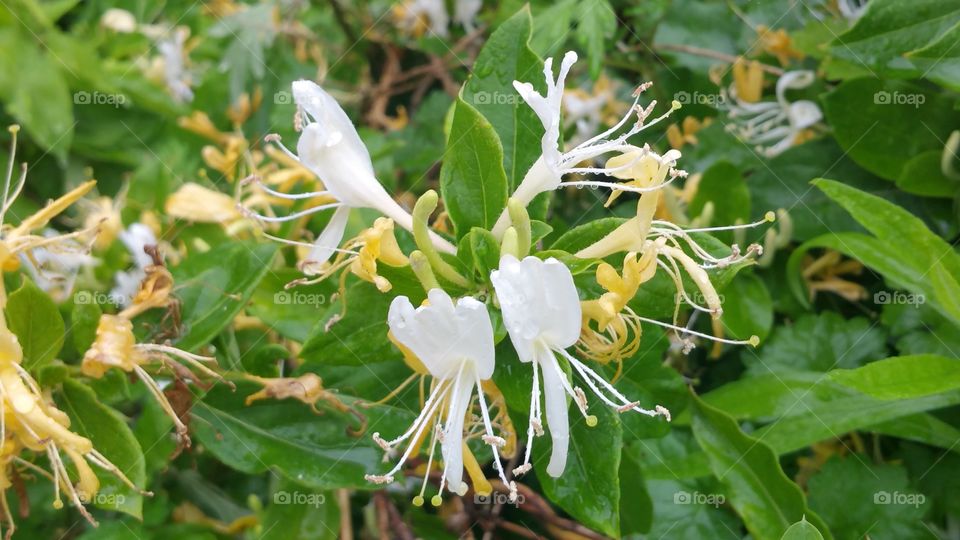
(31, 424)
(769, 126)
(449, 339)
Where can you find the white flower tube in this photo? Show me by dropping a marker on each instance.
(330, 147)
(541, 310)
(455, 344)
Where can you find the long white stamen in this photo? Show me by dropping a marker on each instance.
(754, 340)
(289, 217)
(489, 429)
(406, 454)
(275, 139)
(307, 244)
(435, 396)
(290, 196)
(589, 374)
(769, 217)
(615, 186)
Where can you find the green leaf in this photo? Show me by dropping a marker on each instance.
(802, 530)
(763, 496)
(923, 175)
(802, 408)
(595, 26)
(112, 437)
(870, 117)
(84, 319)
(214, 286)
(677, 513)
(747, 307)
(292, 313)
(891, 28)
(288, 437)
(582, 236)
(636, 508)
(472, 177)
(940, 60)
(359, 337)
(35, 320)
(861, 499)
(931, 270)
(724, 187)
(589, 489)
(506, 57)
(297, 512)
(783, 182)
(484, 250)
(819, 343)
(552, 26)
(590, 486)
(903, 377)
(34, 91)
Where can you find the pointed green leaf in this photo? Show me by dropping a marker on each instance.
(761, 493)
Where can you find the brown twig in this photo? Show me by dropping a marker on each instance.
(346, 523)
(389, 520)
(716, 55)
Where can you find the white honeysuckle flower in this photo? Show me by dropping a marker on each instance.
(330, 147)
(465, 13)
(174, 56)
(54, 269)
(455, 344)
(546, 174)
(773, 126)
(126, 283)
(541, 310)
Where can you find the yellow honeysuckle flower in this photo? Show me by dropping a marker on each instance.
(31, 422)
(686, 132)
(617, 330)
(193, 202)
(778, 43)
(662, 244)
(748, 80)
(115, 347)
